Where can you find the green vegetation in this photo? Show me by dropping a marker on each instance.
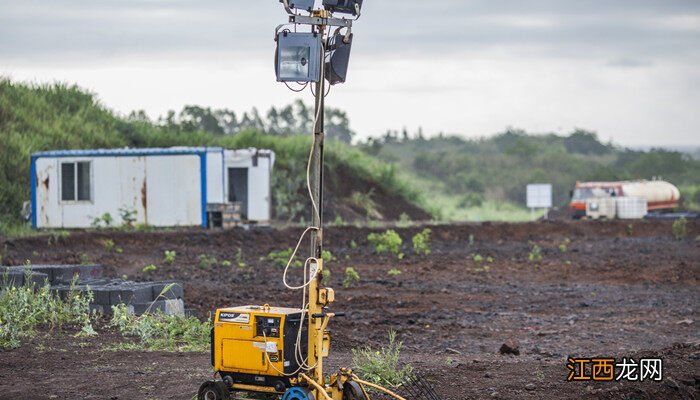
(149, 269)
(281, 258)
(351, 277)
(24, 308)
(394, 272)
(421, 241)
(58, 116)
(535, 254)
(680, 228)
(160, 332)
(104, 221)
(387, 242)
(381, 366)
(365, 202)
(630, 229)
(485, 178)
(326, 275)
(108, 245)
(206, 261)
(478, 258)
(169, 257)
(564, 247)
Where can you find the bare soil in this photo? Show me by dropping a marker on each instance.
(612, 291)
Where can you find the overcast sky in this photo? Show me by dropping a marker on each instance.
(629, 70)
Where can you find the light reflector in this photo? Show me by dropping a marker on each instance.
(343, 6)
(306, 5)
(338, 60)
(298, 57)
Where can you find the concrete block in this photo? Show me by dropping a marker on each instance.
(65, 273)
(169, 307)
(131, 293)
(175, 292)
(12, 278)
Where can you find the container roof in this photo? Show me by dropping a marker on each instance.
(125, 152)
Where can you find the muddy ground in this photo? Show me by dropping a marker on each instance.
(613, 290)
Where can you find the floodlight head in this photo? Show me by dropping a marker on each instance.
(298, 57)
(339, 58)
(304, 5)
(343, 6)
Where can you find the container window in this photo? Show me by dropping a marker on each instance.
(67, 181)
(75, 181)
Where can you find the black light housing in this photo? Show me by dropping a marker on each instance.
(337, 62)
(305, 5)
(343, 6)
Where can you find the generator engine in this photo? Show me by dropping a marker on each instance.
(258, 348)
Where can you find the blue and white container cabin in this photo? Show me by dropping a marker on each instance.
(177, 186)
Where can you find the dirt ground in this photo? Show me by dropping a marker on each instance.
(610, 290)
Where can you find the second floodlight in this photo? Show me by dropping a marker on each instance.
(298, 57)
(343, 6)
(338, 59)
(305, 5)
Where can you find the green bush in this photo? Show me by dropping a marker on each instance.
(535, 254)
(160, 332)
(680, 228)
(351, 277)
(387, 242)
(421, 241)
(381, 366)
(149, 269)
(169, 257)
(108, 244)
(394, 272)
(23, 308)
(206, 261)
(281, 258)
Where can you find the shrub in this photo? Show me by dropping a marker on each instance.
(148, 269)
(421, 241)
(381, 366)
(326, 256)
(351, 277)
(128, 217)
(160, 332)
(104, 220)
(630, 230)
(281, 258)
(535, 254)
(387, 242)
(23, 308)
(108, 244)
(394, 272)
(680, 228)
(478, 258)
(206, 261)
(169, 257)
(365, 201)
(326, 275)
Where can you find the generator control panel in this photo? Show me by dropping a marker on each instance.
(266, 326)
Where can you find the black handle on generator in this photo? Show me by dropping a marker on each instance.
(321, 315)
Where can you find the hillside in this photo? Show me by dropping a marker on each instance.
(37, 118)
(476, 177)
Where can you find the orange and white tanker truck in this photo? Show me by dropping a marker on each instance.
(659, 195)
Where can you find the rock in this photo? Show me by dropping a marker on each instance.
(530, 386)
(511, 346)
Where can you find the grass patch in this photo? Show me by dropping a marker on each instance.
(23, 309)
(160, 332)
(381, 366)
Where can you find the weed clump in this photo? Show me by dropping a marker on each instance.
(387, 242)
(23, 308)
(160, 332)
(680, 228)
(381, 366)
(169, 257)
(421, 242)
(351, 277)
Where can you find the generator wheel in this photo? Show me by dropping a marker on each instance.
(213, 390)
(352, 391)
(297, 393)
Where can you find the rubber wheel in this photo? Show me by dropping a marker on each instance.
(297, 393)
(352, 391)
(213, 390)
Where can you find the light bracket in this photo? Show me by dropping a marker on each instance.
(306, 20)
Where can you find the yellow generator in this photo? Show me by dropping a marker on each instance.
(258, 347)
